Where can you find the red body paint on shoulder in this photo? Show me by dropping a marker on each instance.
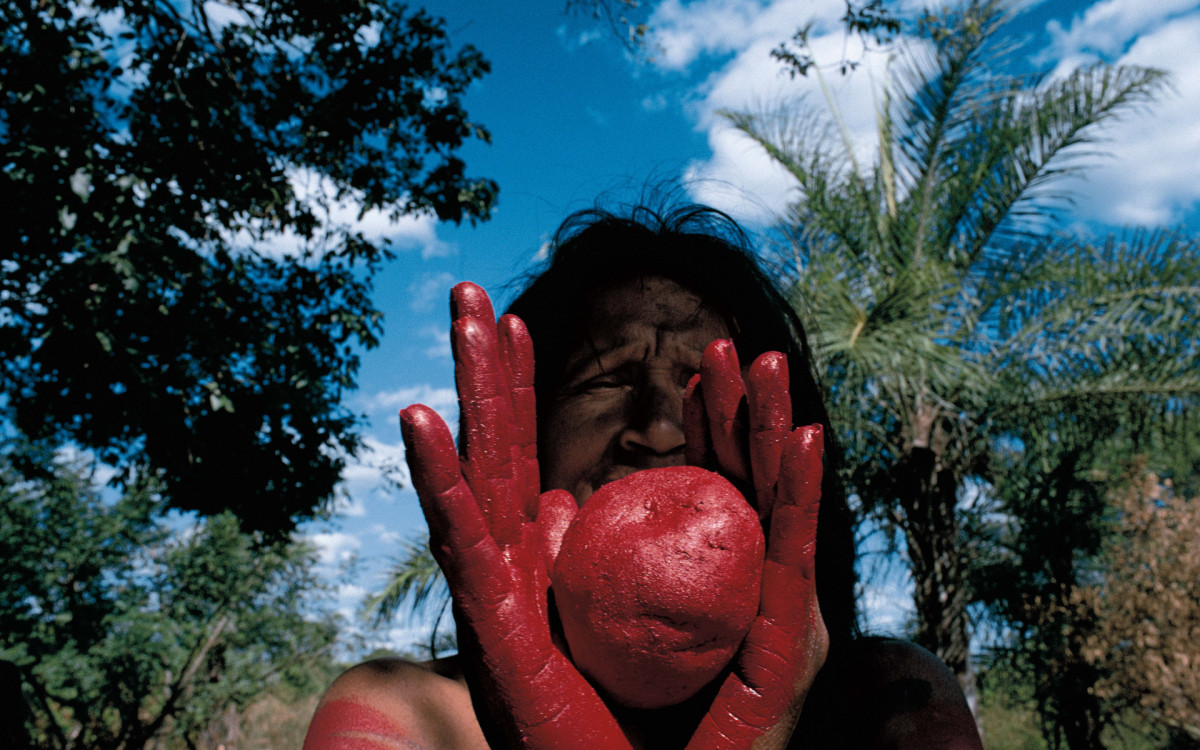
(349, 725)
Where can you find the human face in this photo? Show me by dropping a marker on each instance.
(619, 405)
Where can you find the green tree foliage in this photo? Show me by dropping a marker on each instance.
(153, 158)
(955, 329)
(1104, 347)
(121, 629)
(1063, 572)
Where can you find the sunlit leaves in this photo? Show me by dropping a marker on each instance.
(173, 292)
(123, 625)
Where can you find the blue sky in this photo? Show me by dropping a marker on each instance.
(574, 118)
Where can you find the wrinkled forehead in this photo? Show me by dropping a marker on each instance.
(618, 310)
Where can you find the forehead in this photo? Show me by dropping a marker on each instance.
(647, 302)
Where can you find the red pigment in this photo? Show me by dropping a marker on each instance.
(344, 724)
(657, 583)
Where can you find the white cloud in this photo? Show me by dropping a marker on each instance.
(574, 41)
(441, 400)
(335, 548)
(440, 346)
(683, 32)
(655, 102)
(376, 473)
(348, 602)
(386, 535)
(407, 638)
(739, 177)
(351, 593)
(413, 233)
(99, 473)
(345, 504)
(1107, 27)
(887, 609)
(1148, 176)
(409, 232)
(885, 586)
(430, 290)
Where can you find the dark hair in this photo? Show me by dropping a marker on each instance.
(707, 252)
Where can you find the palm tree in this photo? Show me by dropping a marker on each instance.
(415, 582)
(929, 282)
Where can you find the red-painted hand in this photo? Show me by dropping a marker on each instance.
(761, 699)
(493, 534)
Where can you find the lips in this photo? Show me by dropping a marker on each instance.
(586, 489)
(616, 474)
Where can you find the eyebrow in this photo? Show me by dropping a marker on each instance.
(592, 357)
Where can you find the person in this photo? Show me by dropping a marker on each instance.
(624, 354)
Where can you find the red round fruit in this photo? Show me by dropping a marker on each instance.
(657, 582)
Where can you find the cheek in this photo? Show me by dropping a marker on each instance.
(574, 443)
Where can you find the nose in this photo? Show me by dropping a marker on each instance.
(653, 433)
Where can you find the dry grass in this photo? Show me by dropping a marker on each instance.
(271, 724)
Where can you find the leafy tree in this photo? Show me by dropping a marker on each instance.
(1105, 610)
(1105, 337)
(122, 630)
(1144, 608)
(178, 289)
(929, 279)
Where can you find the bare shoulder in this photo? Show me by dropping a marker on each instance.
(395, 703)
(892, 694)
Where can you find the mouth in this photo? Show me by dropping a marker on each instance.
(588, 488)
(620, 472)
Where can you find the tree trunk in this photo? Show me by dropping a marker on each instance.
(1079, 711)
(928, 496)
(13, 734)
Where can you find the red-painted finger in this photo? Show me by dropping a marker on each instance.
(468, 300)
(762, 698)
(485, 435)
(737, 718)
(429, 449)
(697, 446)
(770, 416)
(458, 533)
(516, 349)
(793, 535)
(787, 644)
(724, 396)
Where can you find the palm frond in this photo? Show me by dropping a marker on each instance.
(415, 579)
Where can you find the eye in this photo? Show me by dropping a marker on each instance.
(602, 383)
